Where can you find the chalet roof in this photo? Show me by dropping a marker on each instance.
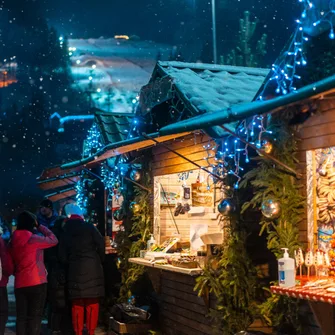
(201, 88)
(113, 127)
(320, 89)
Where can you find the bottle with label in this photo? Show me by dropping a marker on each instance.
(286, 270)
(151, 242)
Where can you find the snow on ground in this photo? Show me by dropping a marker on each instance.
(114, 70)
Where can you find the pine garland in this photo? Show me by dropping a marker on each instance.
(137, 229)
(233, 283)
(269, 182)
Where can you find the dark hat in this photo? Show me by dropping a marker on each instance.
(47, 204)
(26, 221)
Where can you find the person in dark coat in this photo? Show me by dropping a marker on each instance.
(59, 318)
(46, 215)
(82, 248)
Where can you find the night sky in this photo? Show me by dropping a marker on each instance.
(26, 148)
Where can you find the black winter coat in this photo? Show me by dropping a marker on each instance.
(82, 248)
(57, 292)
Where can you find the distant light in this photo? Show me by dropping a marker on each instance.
(94, 66)
(70, 53)
(99, 90)
(134, 101)
(61, 130)
(90, 78)
(121, 37)
(74, 49)
(61, 38)
(78, 61)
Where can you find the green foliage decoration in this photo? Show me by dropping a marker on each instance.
(231, 278)
(137, 229)
(273, 182)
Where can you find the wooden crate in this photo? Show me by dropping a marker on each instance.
(116, 327)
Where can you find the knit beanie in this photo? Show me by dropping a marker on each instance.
(73, 209)
(26, 221)
(47, 204)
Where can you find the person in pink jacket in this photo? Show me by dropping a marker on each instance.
(26, 249)
(5, 271)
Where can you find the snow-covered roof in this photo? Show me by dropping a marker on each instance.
(210, 88)
(203, 88)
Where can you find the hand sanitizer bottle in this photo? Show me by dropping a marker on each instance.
(286, 270)
(151, 242)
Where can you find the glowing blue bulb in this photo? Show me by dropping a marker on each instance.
(236, 186)
(303, 15)
(247, 160)
(284, 91)
(331, 34)
(278, 90)
(252, 133)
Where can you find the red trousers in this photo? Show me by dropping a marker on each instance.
(79, 307)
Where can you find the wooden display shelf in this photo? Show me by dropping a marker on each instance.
(144, 262)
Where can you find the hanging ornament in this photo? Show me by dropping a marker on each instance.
(118, 215)
(271, 208)
(322, 170)
(135, 175)
(265, 146)
(226, 207)
(134, 207)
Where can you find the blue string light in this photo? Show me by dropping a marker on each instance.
(284, 73)
(81, 197)
(93, 141)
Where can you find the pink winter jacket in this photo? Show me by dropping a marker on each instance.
(6, 263)
(26, 250)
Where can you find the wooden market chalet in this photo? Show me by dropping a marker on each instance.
(182, 109)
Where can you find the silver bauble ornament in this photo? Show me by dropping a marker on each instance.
(322, 171)
(135, 207)
(226, 207)
(271, 208)
(117, 215)
(265, 146)
(135, 175)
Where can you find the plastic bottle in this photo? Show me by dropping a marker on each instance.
(151, 242)
(286, 270)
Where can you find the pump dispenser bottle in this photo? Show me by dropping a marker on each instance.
(151, 242)
(286, 270)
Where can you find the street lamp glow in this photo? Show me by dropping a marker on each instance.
(78, 61)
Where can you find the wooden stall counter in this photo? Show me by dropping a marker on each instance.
(321, 302)
(181, 310)
(167, 267)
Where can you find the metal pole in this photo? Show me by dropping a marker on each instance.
(215, 57)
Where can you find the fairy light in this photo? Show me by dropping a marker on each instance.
(81, 197)
(93, 141)
(284, 73)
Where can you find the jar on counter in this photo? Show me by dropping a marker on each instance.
(202, 258)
